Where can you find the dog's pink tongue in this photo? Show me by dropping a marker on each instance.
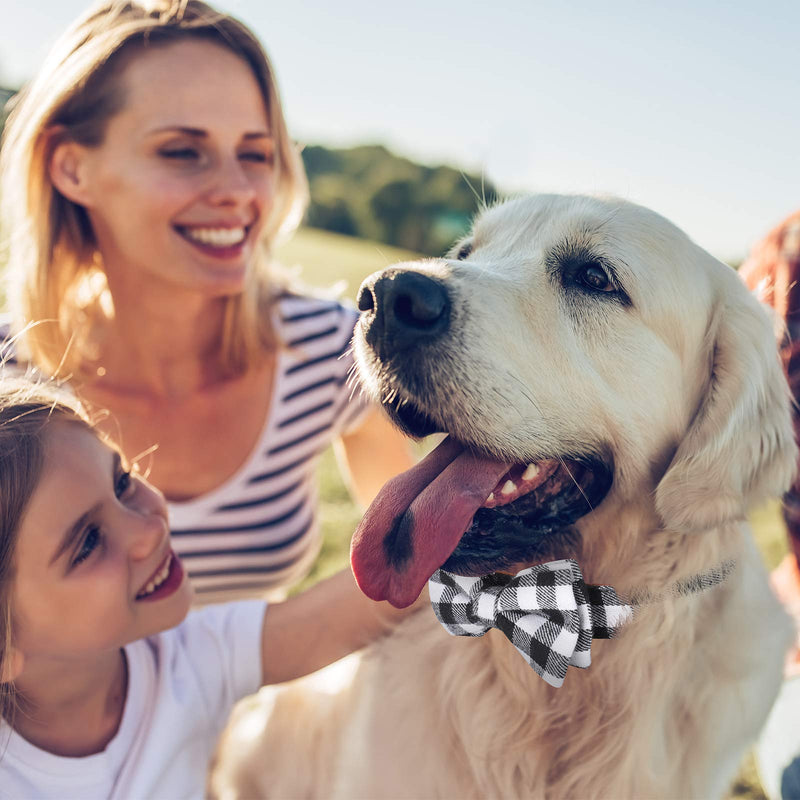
(416, 521)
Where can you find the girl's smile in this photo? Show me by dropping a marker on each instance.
(166, 580)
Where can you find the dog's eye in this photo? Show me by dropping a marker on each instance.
(593, 276)
(464, 251)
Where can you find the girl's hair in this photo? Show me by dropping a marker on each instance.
(25, 410)
(54, 270)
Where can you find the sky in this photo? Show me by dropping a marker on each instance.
(689, 107)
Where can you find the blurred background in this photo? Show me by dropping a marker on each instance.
(410, 115)
(687, 107)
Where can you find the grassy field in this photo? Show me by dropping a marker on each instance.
(326, 259)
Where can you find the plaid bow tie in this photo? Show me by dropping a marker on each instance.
(547, 612)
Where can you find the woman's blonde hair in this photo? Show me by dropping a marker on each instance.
(26, 408)
(54, 271)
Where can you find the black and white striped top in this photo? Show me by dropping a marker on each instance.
(258, 532)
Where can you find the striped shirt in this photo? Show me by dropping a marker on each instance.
(257, 533)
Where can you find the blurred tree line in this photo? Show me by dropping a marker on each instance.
(371, 193)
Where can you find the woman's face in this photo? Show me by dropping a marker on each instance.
(180, 189)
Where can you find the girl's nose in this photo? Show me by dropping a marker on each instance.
(149, 524)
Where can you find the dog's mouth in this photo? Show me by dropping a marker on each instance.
(468, 512)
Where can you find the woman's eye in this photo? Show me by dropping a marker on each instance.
(90, 542)
(259, 158)
(122, 483)
(594, 277)
(181, 154)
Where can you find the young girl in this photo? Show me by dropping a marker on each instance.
(146, 175)
(110, 688)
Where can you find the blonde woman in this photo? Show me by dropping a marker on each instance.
(146, 173)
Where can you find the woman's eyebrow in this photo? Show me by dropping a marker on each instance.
(199, 133)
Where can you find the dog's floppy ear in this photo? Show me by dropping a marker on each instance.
(740, 448)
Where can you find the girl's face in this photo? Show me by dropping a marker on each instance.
(93, 565)
(180, 189)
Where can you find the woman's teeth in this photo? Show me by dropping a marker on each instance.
(157, 579)
(216, 237)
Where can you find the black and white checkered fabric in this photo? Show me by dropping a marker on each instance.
(547, 612)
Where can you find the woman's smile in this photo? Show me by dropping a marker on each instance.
(218, 241)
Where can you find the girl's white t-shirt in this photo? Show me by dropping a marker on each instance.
(182, 685)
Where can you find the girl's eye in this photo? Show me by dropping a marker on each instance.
(123, 483)
(90, 542)
(594, 277)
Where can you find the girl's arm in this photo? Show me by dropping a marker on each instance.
(321, 625)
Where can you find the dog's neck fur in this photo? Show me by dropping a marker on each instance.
(539, 719)
(625, 545)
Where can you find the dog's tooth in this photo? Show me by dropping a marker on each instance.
(530, 473)
(509, 487)
(490, 498)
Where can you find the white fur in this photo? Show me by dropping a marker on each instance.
(683, 388)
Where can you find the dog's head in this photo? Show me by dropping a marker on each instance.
(567, 346)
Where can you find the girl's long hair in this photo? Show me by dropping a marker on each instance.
(26, 408)
(54, 270)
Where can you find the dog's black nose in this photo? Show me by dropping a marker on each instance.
(404, 309)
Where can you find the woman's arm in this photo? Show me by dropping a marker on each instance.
(372, 454)
(321, 625)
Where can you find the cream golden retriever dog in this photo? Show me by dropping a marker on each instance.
(591, 339)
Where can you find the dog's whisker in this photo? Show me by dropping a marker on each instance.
(525, 393)
(471, 188)
(572, 478)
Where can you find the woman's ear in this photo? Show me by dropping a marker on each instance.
(67, 169)
(12, 665)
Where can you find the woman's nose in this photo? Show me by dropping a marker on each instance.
(232, 186)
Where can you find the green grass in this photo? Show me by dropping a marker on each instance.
(327, 258)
